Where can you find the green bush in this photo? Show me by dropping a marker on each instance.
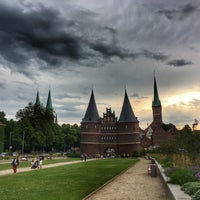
(135, 154)
(5, 158)
(73, 154)
(191, 187)
(182, 176)
(167, 162)
(143, 152)
(196, 196)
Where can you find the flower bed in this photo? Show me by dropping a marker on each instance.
(188, 178)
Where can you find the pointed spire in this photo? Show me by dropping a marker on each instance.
(127, 114)
(37, 101)
(91, 114)
(49, 102)
(156, 100)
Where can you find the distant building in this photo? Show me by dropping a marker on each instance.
(49, 106)
(108, 135)
(157, 133)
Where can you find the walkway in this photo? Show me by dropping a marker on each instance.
(26, 169)
(133, 184)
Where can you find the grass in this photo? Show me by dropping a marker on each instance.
(7, 165)
(72, 182)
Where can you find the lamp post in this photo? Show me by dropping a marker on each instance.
(10, 142)
(23, 143)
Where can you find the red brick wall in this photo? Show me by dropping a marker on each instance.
(125, 139)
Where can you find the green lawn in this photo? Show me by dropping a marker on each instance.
(70, 182)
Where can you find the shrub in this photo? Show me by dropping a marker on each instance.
(166, 162)
(196, 171)
(135, 154)
(198, 176)
(73, 154)
(142, 152)
(191, 187)
(169, 170)
(181, 176)
(196, 196)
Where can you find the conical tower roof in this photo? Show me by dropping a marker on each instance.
(127, 114)
(156, 100)
(49, 102)
(91, 114)
(37, 101)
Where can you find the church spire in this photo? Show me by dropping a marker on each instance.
(127, 114)
(91, 114)
(49, 102)
(156, 100)
(156, 105)
(37, 101)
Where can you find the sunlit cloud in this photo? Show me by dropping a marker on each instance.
(182, 99)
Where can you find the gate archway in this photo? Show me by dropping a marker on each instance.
(110, 152)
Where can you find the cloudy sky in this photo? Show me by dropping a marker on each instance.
(73, 47)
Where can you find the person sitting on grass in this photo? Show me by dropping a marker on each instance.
(34, 164)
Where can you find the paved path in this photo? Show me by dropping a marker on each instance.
(26, 169)
(133, 184)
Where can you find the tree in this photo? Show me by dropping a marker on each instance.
(167, 127)
(188, 142)
(13, 139)
(2, 130)
(39, 127)
(3, 117)
(71, 135)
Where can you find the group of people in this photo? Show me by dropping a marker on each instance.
(36, 163)
(84, 157)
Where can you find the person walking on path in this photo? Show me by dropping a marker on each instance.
(15, 164)
(41, 158)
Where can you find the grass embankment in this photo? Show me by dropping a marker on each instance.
(71, 182)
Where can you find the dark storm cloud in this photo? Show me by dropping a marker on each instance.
(110, 50)
(180, 12)
(153, 55)
(179, 63)
(40, 33)
(43, 35)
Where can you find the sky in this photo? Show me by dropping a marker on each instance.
(72, 47)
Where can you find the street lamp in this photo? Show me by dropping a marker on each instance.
(10, 142)
(23, 143)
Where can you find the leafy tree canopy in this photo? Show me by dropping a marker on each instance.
(3, 117)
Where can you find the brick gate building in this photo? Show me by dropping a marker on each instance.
(108, 135)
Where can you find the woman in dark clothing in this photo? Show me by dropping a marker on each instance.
(15, 164)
